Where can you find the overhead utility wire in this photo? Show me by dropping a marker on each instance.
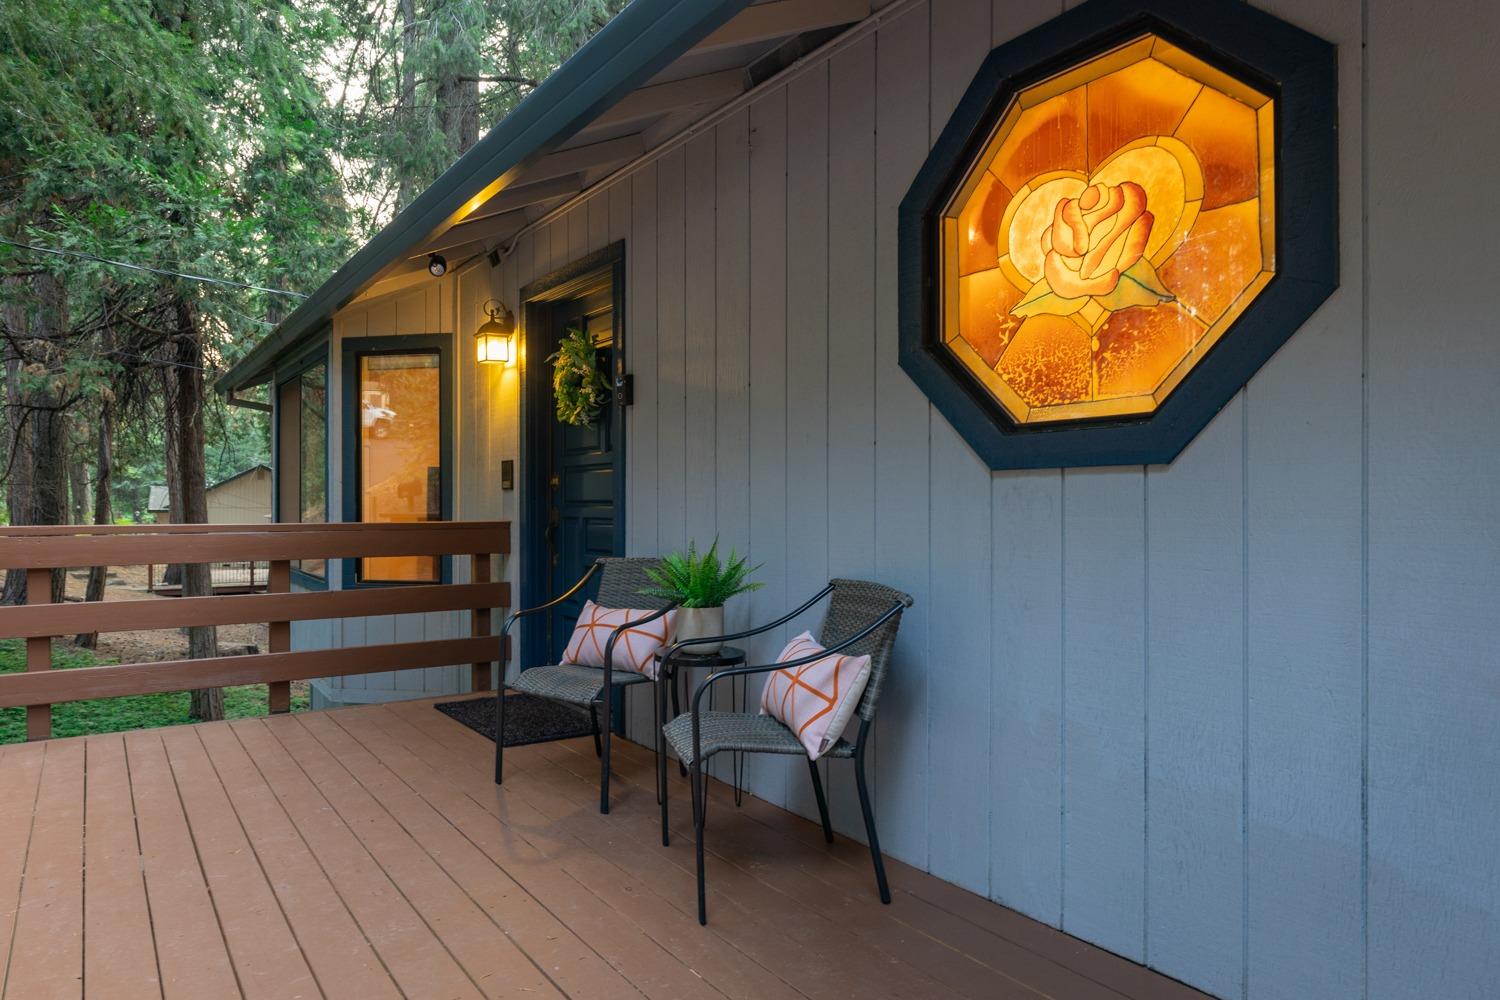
(153, 270)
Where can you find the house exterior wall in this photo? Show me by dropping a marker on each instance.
(1232, 717)
(424, 306)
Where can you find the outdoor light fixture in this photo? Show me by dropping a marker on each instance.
(495, 340)
(1129, 211)
(437, 265)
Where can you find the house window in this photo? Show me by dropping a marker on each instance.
(1116, 225)
(396, 415)
(302, 431)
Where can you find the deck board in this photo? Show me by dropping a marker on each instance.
(365, 852)
(117, 945)
(49, 920)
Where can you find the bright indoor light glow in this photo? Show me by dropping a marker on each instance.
(1117, 223)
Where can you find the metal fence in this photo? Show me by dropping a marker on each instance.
(228, 578)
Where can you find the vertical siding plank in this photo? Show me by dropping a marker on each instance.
(671, 399)
(698, 340)
(1433, 473)
(1104, 708)
(1195, 678)
(1026, 696)
(639, 198)
(1305, 519)
(903, 486)
(851, 358)
(1026, 654)
(807, 359)
(598, 210)
(732, 342)
(959, 645)
(641, 442)
(379, 630)
(577, 221)
(768, 357)
(732, 356)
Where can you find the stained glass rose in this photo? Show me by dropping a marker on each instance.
(1095, 249)
(1094, 237)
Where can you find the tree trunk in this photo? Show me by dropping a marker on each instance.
(17, 457)
(407, 101)
(187, 491)
(103, 513)
(78, 482)
(38, 428)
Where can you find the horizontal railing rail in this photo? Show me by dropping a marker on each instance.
(38, 550)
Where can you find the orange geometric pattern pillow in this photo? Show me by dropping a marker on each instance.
(637, 646)
(816, 700)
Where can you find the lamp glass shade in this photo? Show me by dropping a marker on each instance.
(494, 341)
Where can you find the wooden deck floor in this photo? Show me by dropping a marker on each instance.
(365, 853)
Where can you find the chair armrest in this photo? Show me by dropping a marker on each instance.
(514, 616)
(677, 647)
(718, 675)
(609, 645)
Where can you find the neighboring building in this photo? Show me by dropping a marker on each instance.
(243, 498)
(1229, 712)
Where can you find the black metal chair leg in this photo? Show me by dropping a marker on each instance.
(603, 730)
(817, 780)
(661, 763)
(594, 727)
(677, 710)
(864, 805)
(700, 809)
(500, 730)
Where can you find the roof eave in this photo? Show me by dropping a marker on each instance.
(633, 47)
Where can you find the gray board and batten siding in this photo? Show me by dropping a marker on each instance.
(1235, 717)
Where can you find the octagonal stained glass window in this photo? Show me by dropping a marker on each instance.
(1116, 223)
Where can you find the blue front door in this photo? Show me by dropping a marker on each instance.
(583, 471)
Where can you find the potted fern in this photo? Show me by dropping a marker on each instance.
(700, 585)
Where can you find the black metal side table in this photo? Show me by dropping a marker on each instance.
(682, 666)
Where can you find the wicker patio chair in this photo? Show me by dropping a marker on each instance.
(862, 618)
(620, 584)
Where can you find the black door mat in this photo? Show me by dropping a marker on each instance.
(528, 719)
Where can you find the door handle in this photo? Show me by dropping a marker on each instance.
(549, 533)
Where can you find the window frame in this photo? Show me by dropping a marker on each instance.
(353, 349)
(319, 354)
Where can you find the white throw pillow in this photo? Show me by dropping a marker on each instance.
(816, 700)
(637, 646)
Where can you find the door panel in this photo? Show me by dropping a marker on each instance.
(583, 466)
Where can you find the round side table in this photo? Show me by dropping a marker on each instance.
(725, 657)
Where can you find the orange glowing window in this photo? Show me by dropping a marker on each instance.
(400, 468)
(1117, 222)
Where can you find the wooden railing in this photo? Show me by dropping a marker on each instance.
(39, 550)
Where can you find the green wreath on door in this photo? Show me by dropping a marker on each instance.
(578, 385)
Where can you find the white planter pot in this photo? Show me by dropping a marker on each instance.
(694, 623)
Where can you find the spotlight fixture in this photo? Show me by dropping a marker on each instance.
(437, 265)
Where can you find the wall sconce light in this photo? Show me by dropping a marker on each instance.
(437, 265)
(495, 340)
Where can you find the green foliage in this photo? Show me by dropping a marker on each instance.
(701, 581)
(254, 142)
(578, 385)
(113, 715)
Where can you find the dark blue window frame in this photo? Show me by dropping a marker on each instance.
(304, 362)
(355, 348)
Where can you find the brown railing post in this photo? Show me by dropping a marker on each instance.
(38, 653)
(479, 619)
(279, 581)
